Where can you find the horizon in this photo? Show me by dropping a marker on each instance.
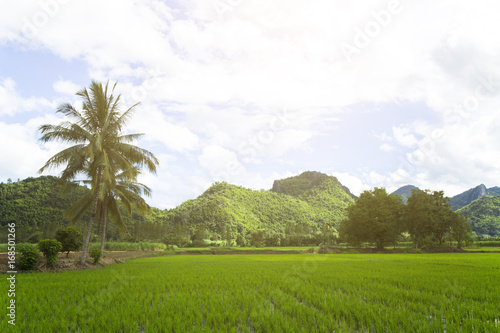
(250, 92)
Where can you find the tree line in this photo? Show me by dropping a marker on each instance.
(380, 218)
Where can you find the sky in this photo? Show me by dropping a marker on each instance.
(377, 93)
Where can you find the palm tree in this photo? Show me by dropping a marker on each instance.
(124, 189)
(99, 147)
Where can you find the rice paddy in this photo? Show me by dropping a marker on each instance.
(268, 293)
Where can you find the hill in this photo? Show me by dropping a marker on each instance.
(483, 215)
(465, 198)
(405, 192)
(308, 202)
(37, 206)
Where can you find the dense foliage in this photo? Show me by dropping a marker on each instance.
(29, 256)
(271, 293)
(428, 214)
(375, 217)
(37, 206)
(484, 216)
(71, 239)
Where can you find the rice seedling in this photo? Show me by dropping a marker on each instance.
(268, 293)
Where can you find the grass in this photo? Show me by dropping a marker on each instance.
(268, 293)
(474, 249)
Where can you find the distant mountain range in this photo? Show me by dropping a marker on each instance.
(309, 202)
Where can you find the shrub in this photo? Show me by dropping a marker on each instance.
(29, 257)
(50, 248)
(199, 243)
(173, 239)
(96, 254)
(323, 249)
(71, 239)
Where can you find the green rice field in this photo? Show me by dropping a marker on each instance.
(267, 293)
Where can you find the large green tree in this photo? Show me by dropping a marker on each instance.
(375, 217)
(99, 148)
(428, 214)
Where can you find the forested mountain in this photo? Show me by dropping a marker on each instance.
(483, 215)
(309, 202)
(465, 198)
(405, 192)
(37, 207)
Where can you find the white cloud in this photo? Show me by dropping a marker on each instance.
(404, 137)
(12, 103)
(222, 164)
(386, 147)
(66, 87)
(211, 81)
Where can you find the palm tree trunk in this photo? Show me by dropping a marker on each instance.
(92, 217)
(104, 218)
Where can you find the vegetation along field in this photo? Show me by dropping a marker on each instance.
(268, 293)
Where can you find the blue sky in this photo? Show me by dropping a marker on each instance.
(376, 93)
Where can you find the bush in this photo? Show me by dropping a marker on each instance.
(71, 239)
(96, 254)
(29, 257)
(173, 239)
(323, 249)
(50, 248)
(199, 243)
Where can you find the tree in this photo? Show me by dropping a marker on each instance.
(71, 239)
(99, 147)
(50, 248)
(123, 188)
(374, 217)
(428, 214)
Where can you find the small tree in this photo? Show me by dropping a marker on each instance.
(50, 248)
(71, 239)
(96, 255)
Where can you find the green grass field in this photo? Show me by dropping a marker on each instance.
(267, 293)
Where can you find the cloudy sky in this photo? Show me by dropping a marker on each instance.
(377, 93)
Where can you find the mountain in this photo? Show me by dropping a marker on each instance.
(308, 201)
(299, 185)
(494, 191)
(37, 206)
(465, 198)
(483, 215)
(405, 192)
